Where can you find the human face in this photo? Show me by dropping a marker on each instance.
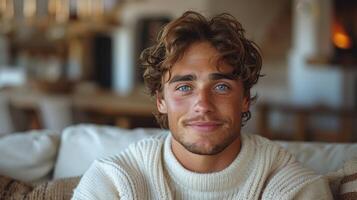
(203, 102)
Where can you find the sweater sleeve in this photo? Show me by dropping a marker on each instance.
(97, 183)
(317, 190)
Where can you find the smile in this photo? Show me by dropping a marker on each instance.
(204, 125)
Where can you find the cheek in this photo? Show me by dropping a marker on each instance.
(230, 106)
(178, 104)
(177, 108)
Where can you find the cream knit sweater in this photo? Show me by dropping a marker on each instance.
(149, 170)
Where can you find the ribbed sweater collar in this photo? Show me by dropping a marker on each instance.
(229, 178)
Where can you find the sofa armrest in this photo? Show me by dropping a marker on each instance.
(57, 189)
(29, 156)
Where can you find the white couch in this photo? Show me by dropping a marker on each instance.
(37, 156)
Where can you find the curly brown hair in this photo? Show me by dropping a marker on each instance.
(223, 32)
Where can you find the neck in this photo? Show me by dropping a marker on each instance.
(206, 163)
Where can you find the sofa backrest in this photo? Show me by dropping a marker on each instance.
(321, 156)
(82, 144)
(32, 156)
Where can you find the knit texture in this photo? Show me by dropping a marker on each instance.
(149, 170)
(61, 189)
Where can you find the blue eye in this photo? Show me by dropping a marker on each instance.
(222, 88)
(184, 88)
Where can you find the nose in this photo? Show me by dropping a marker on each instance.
(204, 102)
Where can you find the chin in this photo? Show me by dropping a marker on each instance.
(205, 149)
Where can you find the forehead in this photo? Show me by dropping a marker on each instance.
(200, 58)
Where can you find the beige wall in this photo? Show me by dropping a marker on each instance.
(255, 15)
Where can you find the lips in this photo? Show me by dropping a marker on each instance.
(204, 125)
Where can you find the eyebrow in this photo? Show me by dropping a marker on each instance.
(178, 78)
(213, 76)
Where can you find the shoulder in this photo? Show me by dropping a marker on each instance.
(258, 140)
(102, 180)
(138, 154)
(288, 179)
(267, 149)
(123, 173)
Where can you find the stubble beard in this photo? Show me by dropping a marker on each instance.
(213, 150)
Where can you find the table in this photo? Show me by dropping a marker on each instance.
(123, 109)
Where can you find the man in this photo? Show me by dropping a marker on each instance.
(201, 72)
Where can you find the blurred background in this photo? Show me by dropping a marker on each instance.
(66, 62)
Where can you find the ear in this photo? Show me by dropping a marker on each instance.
(245, 104)
(161, 103)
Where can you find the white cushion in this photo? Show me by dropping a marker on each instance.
(28, 156)
(322, 157)
(82, 144)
